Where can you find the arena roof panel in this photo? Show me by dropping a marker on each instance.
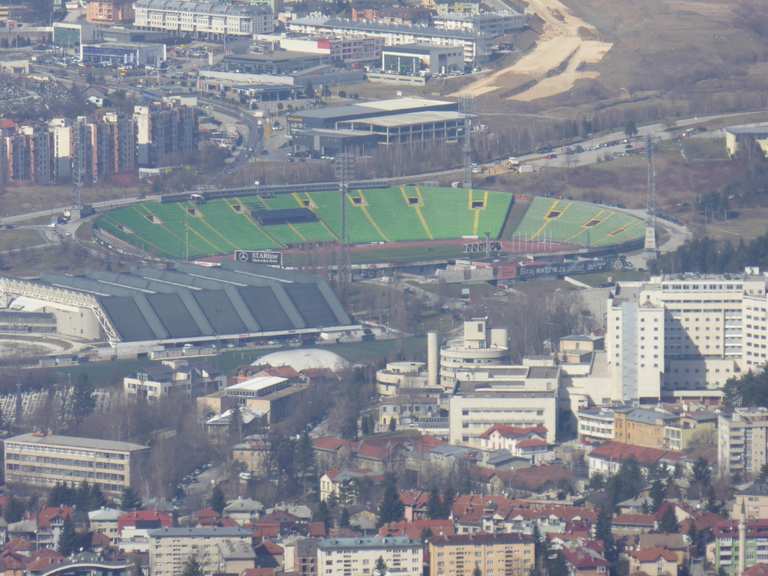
(194, 302)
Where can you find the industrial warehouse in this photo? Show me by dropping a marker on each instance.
(146, 308)
(381, 122)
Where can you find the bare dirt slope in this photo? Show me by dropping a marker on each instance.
(556, 61)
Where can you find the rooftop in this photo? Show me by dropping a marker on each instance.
(409, 118)
(208, 532)
(425, 31)
(371, 542)
(76, 442)
(257, 384)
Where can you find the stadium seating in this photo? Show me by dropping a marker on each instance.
(395, 214)
(578, 223)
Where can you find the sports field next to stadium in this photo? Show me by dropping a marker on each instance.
(392, 219)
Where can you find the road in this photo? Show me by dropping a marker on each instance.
(594, 150)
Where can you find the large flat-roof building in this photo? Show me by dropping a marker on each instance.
(686, 332)
(738, 136)
(381, 122)
(45, 460)
(203, 19)
(137, 310)
(416, 59)
(474, 44)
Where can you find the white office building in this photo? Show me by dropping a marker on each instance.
(687, 332)
(205, 19)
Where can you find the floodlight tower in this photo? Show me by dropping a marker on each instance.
(465, 106)
(650, 201)
(344, 167)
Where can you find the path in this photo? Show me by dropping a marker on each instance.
(555, 63)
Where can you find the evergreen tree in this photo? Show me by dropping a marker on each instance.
(657, 494)
(449, 495)
(192, 567)
(381, 567)
(235, 425)
(129, 500)
(344, 518)
(556, 565)
(217, 500)
(69, 542)
(477, 571)
(305, 462)
(83, 399)
(97, 499)
(14, 510)
(391, 508)
(323, 515)
(604, 532)
(435, 507)
(668, 523)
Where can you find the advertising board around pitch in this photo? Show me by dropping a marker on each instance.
(268, 257)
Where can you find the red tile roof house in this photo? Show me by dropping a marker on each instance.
(628, 524)
(52, 517)
(414, 504)
(331, 451)
(656, 561)
(757, 570)
(472, 513)
(607, 458)
(521, 441)
(585, 561)
(415, 529)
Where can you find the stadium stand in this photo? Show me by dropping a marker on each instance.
(578, 223)
(189, 303)
(376, 215)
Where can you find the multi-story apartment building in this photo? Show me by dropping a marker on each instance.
(61, 129)
(109, 11)
(730, 538)
(204, 19)
(491, 554)
(165, 133)
(171, 548)
(44, 460)
(156, 383)
(742, 442)
(353, 556)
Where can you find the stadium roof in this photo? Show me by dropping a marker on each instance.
(196, 302)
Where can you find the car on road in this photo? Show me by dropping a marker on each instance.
(551, 156)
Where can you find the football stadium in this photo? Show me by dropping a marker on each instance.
(396, 223)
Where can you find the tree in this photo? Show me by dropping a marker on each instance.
(392, 424)
(344, 518)
(702, 475)
(218, 501)
(435, 508)
(597, 482)
(668, 523)
(69, 542)
(449, 495)
(14, 510)
(477, 571)
(604, 532)
(556, 565)
(391, 508)
(630, 129)
(129, 500)
(323, 515)
(83, 399)
(381, 567)
(657, 494)
(192, 567)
